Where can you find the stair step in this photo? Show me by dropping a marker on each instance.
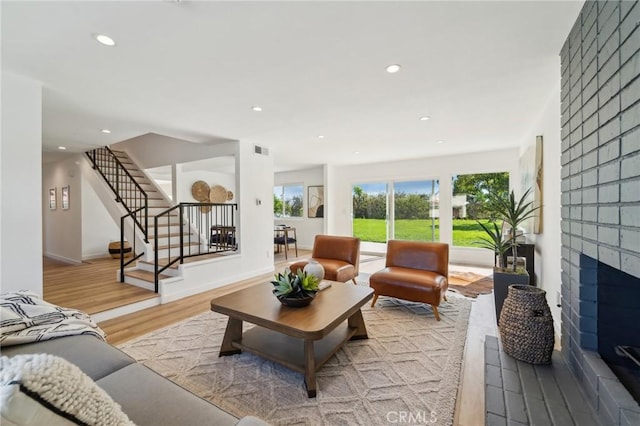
(132, 192)
(145, 275)
(112, 166)
(121, 160)
(174, 238)
(133, 173)
(165, 261)
(166, 225)
(172, 214)
(152, 194)
(186, 244)
(149, 197)
(166, 235)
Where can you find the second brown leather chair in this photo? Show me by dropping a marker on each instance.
(415, 271)
(340, 257)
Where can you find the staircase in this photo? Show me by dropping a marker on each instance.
(162, 235)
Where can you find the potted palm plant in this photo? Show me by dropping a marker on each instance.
(513, 213)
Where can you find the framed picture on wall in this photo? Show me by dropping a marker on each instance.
(315, 201)
(537, 195)
(52, 199)
(65, 197)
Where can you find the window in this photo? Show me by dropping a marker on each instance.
(287, 200)
(468, 203)
(370, 202)
(402, 210)
(416, 210)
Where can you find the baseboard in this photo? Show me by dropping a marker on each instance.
(124, 310)
(95, 256)
(62, 259)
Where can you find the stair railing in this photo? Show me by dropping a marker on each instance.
(203, 228)
(128, 192)
(135, 256)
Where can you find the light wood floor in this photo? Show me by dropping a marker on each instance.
(470, 401)
(90, 287)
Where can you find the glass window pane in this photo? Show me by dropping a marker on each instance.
(370, 212)
(468, 203)
(292, 199)
(277, 201)
(416, 210)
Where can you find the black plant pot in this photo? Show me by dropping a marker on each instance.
(296, 302)
(501, 282)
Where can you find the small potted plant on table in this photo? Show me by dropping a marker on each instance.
(295, 290)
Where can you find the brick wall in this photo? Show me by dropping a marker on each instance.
(600, 68)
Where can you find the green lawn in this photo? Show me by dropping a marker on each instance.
(465, 231)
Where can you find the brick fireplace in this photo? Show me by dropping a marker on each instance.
(600, 65)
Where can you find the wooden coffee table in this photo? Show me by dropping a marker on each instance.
(301, 339)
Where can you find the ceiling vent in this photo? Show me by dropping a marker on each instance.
(262, 150)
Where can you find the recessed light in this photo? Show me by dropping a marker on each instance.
(356, 152)
(424, 118)
(320, 136)
(105, 130)
(256, 108)
(62, 148)
(393, 68)
(440, 141)
(104, 40)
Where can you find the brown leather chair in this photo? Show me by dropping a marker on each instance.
(340, 257)
(414, 271)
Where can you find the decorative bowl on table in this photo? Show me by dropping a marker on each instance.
(295, 290)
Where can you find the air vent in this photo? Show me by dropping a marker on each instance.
(262, 150)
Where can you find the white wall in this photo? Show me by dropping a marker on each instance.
(306, 228)
(548, 243)
(341, 178)
(255, 205)
(21, 192)
(98, 227)
(63, 228)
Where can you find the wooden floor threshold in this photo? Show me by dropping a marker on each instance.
(143, 275)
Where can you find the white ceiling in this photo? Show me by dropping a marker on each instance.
(482, 71)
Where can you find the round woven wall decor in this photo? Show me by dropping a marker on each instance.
(200, 190)
(218, 194)
(229, 195)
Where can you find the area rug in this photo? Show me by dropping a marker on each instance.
(470, 284)
(409, 368)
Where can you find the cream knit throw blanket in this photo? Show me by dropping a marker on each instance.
(64, 386)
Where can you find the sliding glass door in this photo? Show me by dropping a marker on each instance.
(396, 210)
(370, 211)
(415, 208)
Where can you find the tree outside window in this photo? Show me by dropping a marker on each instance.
(470, 205)
(287, 200)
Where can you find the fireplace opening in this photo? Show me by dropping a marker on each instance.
(619, 325)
